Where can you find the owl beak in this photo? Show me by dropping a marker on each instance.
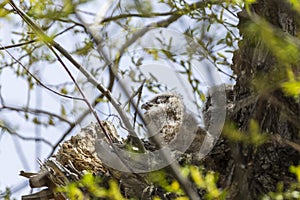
(146, 106)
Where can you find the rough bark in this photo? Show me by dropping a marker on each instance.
(248, 171)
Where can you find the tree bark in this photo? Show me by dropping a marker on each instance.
(250, 171)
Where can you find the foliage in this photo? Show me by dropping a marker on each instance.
(285, 49)
(207, 182)
(6, 195)
(295, 4)
(89, 186)
(253, 136)
(293, 192)
(204, 181)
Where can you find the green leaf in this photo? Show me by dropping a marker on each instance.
(86, 49)
(291, 88)
(153, 52)
(3, 11)
(249, 1)
(51, 121)
(295, 4)
(36, 120)
(296, 170)
(229, 39)
(63, 91)
(197, 176)
(63, 111)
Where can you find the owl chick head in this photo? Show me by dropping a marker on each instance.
(170, 102)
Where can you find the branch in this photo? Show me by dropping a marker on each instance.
(34, 40)
(37, 80)
(17, 45)
(143, 15)
(189, 8)
(13, 132)
(34, 111)
(278, 138)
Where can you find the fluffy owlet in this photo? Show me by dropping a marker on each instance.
(167, 119)
(164, 116)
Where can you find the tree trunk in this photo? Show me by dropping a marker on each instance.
(251, 171)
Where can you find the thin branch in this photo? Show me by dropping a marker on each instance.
(34, 40)
(17, 45)
(277, 137)
(37, 80)
(14, 133)
(62, 32)
(143, 15)
(34, 111)
(211, 60)
(17, 60)
(21, 154)
(70, 21)
(189, 8)
(139, 93)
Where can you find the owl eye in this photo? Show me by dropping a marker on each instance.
(161, 99)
